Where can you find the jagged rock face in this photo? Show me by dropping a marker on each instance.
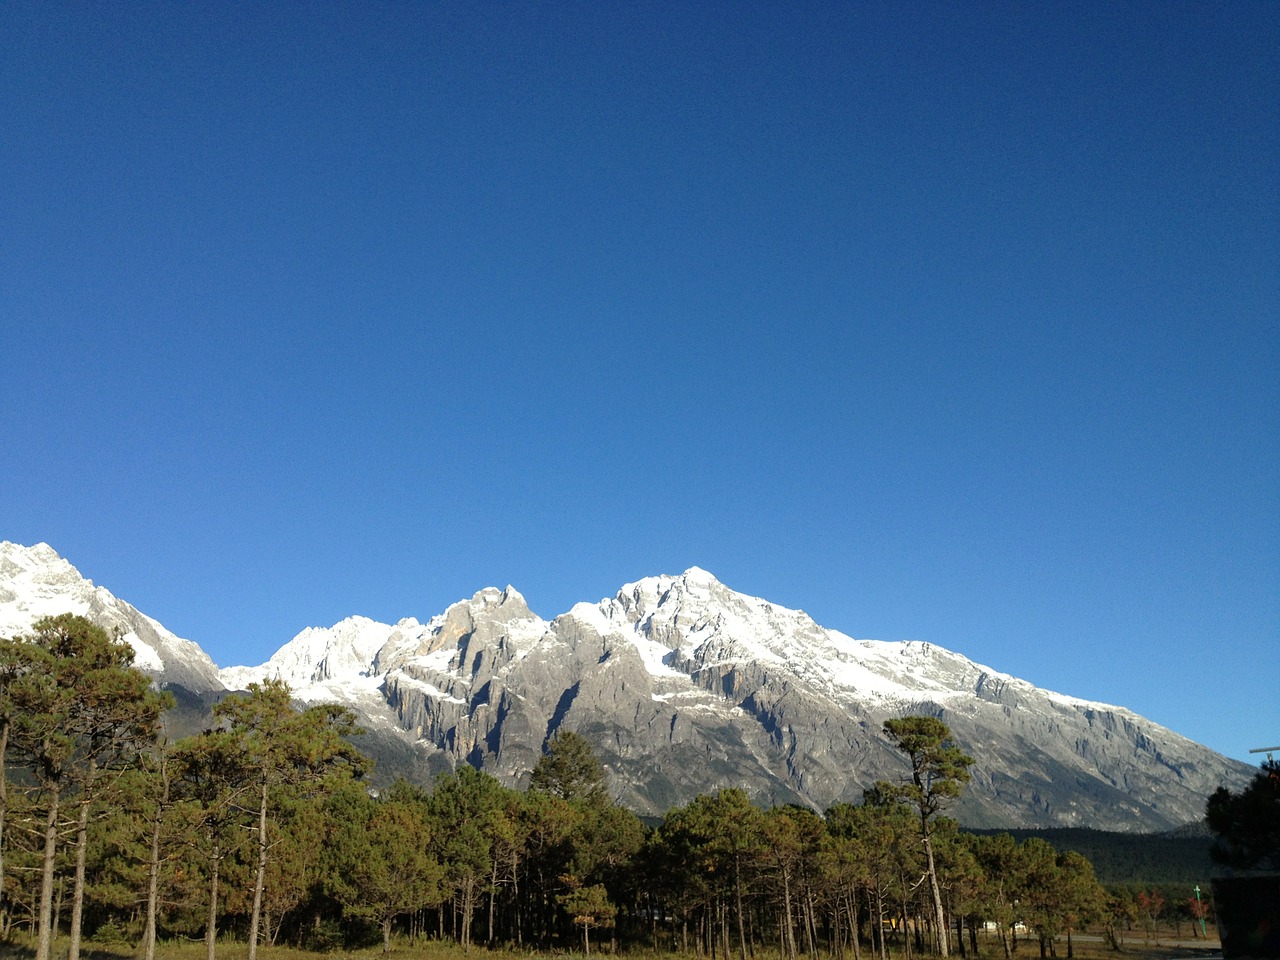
(35, 582)
(685, 686)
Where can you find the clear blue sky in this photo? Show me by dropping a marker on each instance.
(950, 322)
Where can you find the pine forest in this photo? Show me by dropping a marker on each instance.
(262, 830)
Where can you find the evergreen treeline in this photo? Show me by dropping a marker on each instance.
(261, 828)
(1165, 859)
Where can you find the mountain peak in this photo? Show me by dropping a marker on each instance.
(697, 685)
(348, 648)
(664, 587)
(502, 605)
(40, 553)
(39, 564)
(698, 575)
(36, 582)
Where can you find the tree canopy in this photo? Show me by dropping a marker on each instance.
(939, 771)
(569, 768)
(259, 829)
(1247, 824)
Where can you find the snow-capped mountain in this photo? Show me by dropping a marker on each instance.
(684, 685)
(35, 582)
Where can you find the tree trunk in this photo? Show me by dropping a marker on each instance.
(789, 941)
(153, 868)
(386, 934)
(153, 894)
(940, 917)
(44, 923)
(468, 907)
(879, 931)
(855, 928)
(260, 878)
(493, 897)
(810, 923)
(515, 898)
(82, 845)
(60, 893)
(4, 805)
(211, 921)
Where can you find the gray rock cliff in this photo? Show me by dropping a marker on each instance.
(685, 686)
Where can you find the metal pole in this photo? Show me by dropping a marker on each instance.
(1203, 932)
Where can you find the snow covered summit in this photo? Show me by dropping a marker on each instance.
(684, 686)
(35, 582)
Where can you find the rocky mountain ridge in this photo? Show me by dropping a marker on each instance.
(35, 582)
(684, 685)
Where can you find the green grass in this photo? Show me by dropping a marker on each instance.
(1135, 948)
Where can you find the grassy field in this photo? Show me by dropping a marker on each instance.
(1086, 947)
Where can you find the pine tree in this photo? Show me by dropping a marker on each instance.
(721, 836)
(939, 771)
(569, 768)
(1247, 824)
(280, 745)
(461, 807)
(382, 867)
(1083, 898)
(791, 842)
(80, 711)
(12, 665)
(212, 774)
(589, 907)
(998, 861)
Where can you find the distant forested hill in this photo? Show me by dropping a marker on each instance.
(1180, 856)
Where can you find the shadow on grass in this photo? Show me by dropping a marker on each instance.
(24, 951)
(20, 949)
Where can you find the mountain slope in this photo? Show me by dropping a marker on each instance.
(684, 686)
(35, 582)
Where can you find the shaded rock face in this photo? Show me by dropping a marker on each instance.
(685, 686)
